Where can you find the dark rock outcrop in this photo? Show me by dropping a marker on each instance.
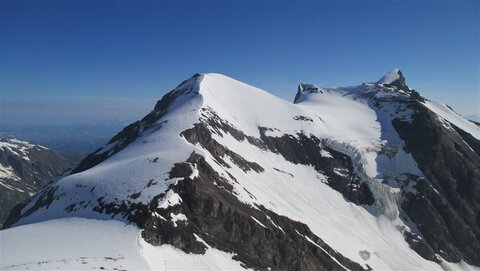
(298, 150)
(446, 208)
(309, 88)
(259, 238)
(338, 167)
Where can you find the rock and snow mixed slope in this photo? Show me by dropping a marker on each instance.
(25, 168)
(338, 180)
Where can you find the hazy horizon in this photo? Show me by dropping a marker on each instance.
(88, 110)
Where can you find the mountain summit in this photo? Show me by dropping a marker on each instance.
(221, 174)
(393, 78)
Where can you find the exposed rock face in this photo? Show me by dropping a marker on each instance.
(309, 88)
(260, 238)
(201, 134)
(394, 79)
(298, 150)
(338, 166)
(447, 207)
(26, 168)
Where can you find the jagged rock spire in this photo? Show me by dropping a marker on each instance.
(394, 78)
(306, 88)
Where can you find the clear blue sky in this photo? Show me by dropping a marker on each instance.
(76, 61)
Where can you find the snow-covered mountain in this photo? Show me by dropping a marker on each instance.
(225, 175)
(25, 168)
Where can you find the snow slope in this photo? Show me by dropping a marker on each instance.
(344, 119)
(349, 228)
(81, 244)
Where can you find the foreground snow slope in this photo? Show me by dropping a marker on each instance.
(245, 140)
(81, 244)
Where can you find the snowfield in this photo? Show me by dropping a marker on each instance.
(342, 118)
(88, 244)
(81, 244)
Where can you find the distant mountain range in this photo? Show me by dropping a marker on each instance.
(25, 168)
(78, 138)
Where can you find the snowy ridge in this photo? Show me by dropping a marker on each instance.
(140, 173)
(18, 147)
(147, 160)
(446, 113)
